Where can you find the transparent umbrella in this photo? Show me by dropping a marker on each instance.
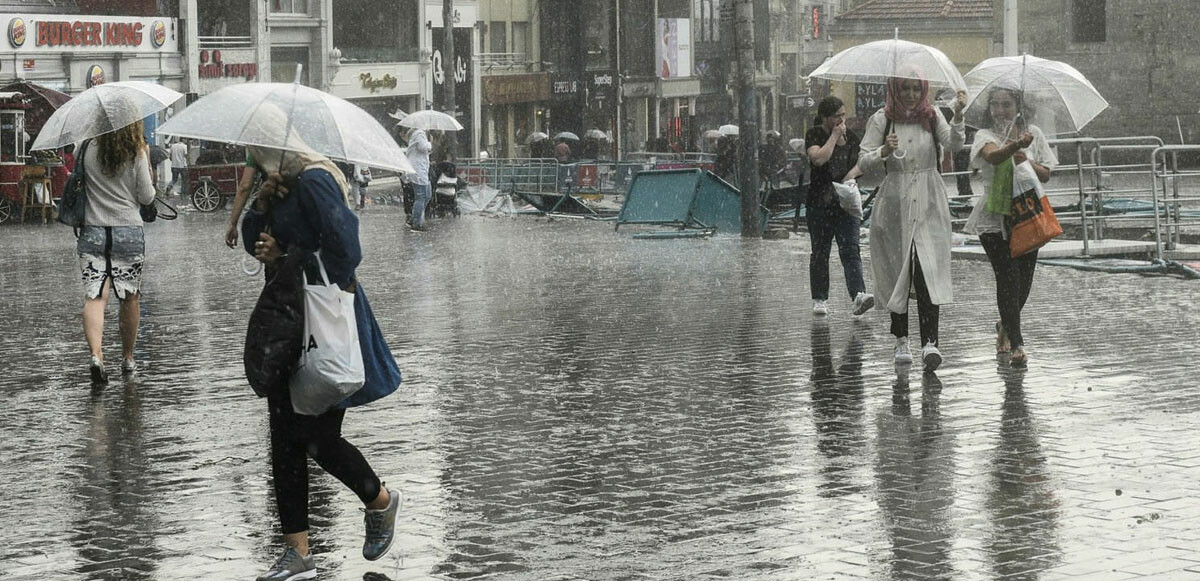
(291, 117)
(596, 134)
(1055, 97)
(875, 62)
(430, 120)
(566, 135)
(729, 130)
(103, 109)
(535, 137)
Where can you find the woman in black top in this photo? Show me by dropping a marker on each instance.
(833, 157)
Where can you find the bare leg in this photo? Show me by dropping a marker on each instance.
(298, 541)
(93, 320)
(382, 500)
(129, 316)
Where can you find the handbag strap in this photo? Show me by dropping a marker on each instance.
(321, 268)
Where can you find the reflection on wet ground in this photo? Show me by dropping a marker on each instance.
(581, 405)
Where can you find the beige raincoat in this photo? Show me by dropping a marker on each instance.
(911, 211)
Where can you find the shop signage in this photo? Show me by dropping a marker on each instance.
(212, 67)
(564, 86)
(373, 85)
(86, 33)
(505, 89)
(804, 101)
(868, 98)
(28, 64)
(95, 76)
(376, 80)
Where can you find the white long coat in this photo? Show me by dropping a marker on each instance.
(911, 211)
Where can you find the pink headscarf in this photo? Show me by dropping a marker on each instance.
(923, 113)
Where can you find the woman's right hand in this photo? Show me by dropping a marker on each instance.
(890, 143)
(231, 235)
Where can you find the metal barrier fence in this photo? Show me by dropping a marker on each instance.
(1168, 203)
(584, 177)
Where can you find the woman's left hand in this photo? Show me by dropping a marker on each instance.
(266, 248)
(960, 103)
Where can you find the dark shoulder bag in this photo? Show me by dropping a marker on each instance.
(274, 335)
(72, 204)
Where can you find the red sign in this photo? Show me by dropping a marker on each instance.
(79, 33)
(816, 14)
(217, 69)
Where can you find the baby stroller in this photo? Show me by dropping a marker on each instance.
(446, 187)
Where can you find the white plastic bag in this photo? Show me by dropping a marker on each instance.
(331, 364)
(849, 198)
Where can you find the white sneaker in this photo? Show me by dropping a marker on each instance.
(931, 357)
(819, 308)
(863, 303)
(902, 354)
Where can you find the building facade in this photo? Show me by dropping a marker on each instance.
(1138, 55)
(516, 91)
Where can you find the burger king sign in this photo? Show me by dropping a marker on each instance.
(16, 32)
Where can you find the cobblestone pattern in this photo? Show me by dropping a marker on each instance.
(581, 405)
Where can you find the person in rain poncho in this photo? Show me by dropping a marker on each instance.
(1008, 142)
(303, 208)
(418, 151)
(910, 225)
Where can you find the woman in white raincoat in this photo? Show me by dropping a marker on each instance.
(910, 225)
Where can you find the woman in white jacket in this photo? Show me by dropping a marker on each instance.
(910, 225)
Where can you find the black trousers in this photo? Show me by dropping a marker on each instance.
(1014, 279)
(294, 438)
(927, 312)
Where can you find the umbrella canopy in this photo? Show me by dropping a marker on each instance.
(103, 109)
(398, 114)
(729, 130)
(258, 113)
(875, 62)
(567, 135)
(711, 134)
(431, 121)
(1055, 97)
(535, 137)
(596, 134)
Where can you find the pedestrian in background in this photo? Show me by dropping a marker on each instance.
(1006, 142)
(179, 164)
(310, 215)
(418, 155)
(362, 178)
(910, 224)
(833, 157)
(112, 243)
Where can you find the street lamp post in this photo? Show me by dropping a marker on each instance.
(743, 31)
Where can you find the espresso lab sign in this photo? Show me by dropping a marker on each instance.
(34, 33)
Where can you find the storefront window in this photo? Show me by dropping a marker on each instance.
(223, 20)
(284, 61)
(289, 6)
(370, 31)
(596, 35)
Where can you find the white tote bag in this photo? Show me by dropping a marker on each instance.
(331, 364)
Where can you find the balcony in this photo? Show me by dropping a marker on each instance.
(504, 62)
(390, 54)
(212, 42)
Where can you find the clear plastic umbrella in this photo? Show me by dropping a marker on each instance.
(103, 109)
(596, 134)
(729, 130)
(291, 117)
(535, 137)
(1055, 97)
(875, 62)
(566, 135)
(430, 120)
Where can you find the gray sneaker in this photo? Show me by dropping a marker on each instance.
(381, 527)
(291, 567)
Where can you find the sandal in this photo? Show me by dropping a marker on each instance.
(1018, 358)
(1002, 344)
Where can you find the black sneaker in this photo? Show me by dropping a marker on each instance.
(381, 527)
(291, 567)
(99, 374)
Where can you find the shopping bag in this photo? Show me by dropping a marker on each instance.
(1032, 221)
(331, 362)
(849, 198)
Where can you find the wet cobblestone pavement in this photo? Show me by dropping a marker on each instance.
(581, 405)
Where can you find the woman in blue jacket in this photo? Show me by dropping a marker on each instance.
(303, 208)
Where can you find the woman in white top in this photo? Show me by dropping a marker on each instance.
(910, 225)
(111, 243)
(1008, 141)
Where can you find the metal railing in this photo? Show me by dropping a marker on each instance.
(1168, 208)
(211, 42)
(491, 61)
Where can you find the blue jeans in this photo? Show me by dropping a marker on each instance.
(422, 194)
(176, 174)
(824, 224)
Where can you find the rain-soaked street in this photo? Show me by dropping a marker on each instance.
(581, 405)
